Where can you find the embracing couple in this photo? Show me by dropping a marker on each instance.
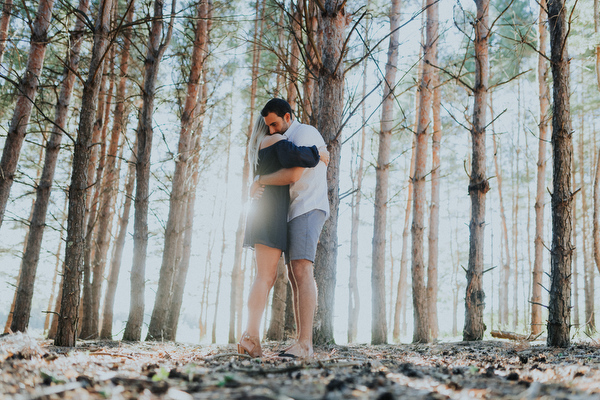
(290, 206)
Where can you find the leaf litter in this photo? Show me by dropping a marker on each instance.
(35, 369)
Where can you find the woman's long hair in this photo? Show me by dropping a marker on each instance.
(259, 131)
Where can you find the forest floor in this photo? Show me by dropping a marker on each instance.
(35, 369)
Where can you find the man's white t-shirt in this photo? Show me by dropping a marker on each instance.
(310, 191)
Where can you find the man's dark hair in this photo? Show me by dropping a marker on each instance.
(277, 106)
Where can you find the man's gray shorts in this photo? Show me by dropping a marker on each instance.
(303, 236)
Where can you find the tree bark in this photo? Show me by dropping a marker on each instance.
(353, 293)
(402, 283)
(43, 189)
(559, 316)
(94, 177)
(294, 57)
(544, 95)
(115, 264)
(505, 269)
(378, 282)
(158, 328)
(27, 91)
(596, 229)
(575, 264)
(478, 184)
(155, 51)
(329, 119)
(4, 26)
(422, 332)
(588, 269)
(66, 334)
(434, 208)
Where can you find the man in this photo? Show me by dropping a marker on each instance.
(309, 208)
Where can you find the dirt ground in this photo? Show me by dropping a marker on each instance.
(34, 369)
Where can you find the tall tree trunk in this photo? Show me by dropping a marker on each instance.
(158, 328)
(575, 269)
(596, 29)
(353, 293)
(596, 228)
(236, 275)
(559, 313)
(67, 325)
(57, 269)
(311, 67)
(505, 269)
(378, 319)
(156, 49)
(110, 178)
(223, 230)
(94, 177)
(515, 210)
(401, 297)
(115, 265)
(27, 91)
(103, 215)
(294, 57)
(38, 221)
(588, 270)
(434, 213)
(422, 333)
(4, 26)
(329, 119)
(9, 319)
(478, 184)
(544, 95)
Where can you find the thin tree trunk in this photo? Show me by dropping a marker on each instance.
(115, 265)
(559, 316)
(66, 334)
(310, 89)
(434, 213)
(27, 91)
(596, 229)
(401, 297)
(378, 282)
(588, 270)
(52, 298)
(515, 209)
(478, 183)
(156, 49)
(110, 178)
(575, 269)
(158, 328)
(353, 293)
(422, 332)
(96, 164)
(105, 182)
(596, 29)
(236, 276)
(4, 26)
(544, 95)
(294, 57)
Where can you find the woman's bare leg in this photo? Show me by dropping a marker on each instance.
(266, 264)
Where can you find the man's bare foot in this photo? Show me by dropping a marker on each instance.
(298, 350)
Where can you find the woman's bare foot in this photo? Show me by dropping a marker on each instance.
(298, 350)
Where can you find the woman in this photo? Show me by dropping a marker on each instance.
(266, 226)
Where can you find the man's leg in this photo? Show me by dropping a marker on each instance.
(295, 302)
(305, 303)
